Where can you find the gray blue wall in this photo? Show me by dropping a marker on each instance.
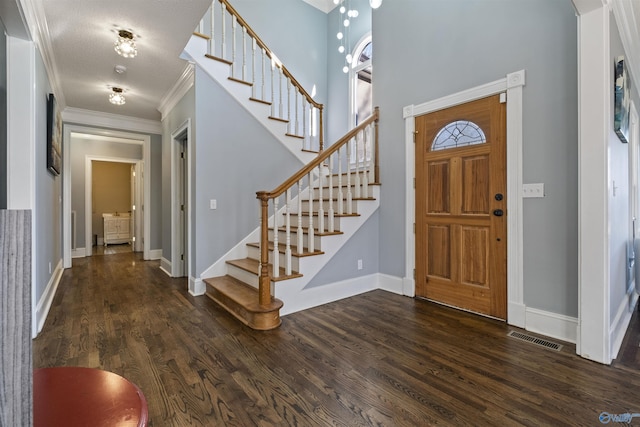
(424, 50)
(47, 213)
(235, 157)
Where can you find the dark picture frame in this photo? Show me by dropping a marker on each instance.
(621, 99)
(54, 136)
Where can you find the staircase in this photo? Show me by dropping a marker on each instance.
(308, 218)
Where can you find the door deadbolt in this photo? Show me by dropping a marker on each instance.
(499, 196)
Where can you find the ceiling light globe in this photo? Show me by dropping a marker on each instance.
(375, 3)
(341, 49)
(346, 23)
(354, 13)
(345, 69)
(339, 35)
(349, 58)
(342, 9)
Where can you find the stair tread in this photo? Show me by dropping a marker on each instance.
(253, 266)
(262, 101)
(241, 293)
(216, 58)
(279, 119)
(326, 214)
(282, 248)
(335, 199)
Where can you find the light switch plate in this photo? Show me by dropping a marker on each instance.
(533, 190)
(213, 204)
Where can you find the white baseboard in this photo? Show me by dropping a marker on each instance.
(409, 287)
(553, 325)
(197, 286)
(44, 304)
(155, 254)
(100, 241)
(165, 265)
(621, 322)
(517, 314)
(78, 253)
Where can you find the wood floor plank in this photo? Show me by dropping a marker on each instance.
(377, 359)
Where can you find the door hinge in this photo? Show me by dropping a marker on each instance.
(414, 183)
(414, 274)
(182, 155)
(182, 208)
(182, 257)
(414, 228)
(415, 132)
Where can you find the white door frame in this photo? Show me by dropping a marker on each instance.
(145, 141)
(176, 230)
(512, 84)
(88, 197)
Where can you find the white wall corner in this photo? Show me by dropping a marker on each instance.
(44, 305)
(155, 254)
(389, 283)
(197, 286)
(553, 325)
(179, 89)
(165, 266)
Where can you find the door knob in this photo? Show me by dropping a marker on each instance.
(498, 212)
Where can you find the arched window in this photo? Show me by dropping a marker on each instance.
(460, 133)
(360, 85)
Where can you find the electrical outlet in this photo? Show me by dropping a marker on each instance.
(359, 264)
(213, 204)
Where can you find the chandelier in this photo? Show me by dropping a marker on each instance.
(347, 14)
(116, 97)
(125, 46)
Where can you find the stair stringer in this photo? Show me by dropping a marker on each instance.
(294, 294)
(195, 51)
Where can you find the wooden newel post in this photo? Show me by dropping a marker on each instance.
(264, 281)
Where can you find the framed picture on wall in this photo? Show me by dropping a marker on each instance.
(621, 100)
(54, 136)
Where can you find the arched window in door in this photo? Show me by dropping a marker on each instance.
(360, 86)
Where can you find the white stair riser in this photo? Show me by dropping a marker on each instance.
(326, 204)
(243, 275)
(305, 222)
(255, 254)
(282, 236)
(325, 192)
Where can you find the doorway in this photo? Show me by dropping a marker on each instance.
(181, 203)
(461, 222)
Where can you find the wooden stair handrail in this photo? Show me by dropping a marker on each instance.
(264, 280)
(265, 195)
(284, 69)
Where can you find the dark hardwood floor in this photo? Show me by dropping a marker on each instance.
(375, 359)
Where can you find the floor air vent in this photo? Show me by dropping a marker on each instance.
(535, 340)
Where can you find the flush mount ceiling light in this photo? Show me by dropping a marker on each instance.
(116, 97)
(125, 46)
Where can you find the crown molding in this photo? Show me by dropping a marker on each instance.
(36, 26)
(112, 121)
(178, 91)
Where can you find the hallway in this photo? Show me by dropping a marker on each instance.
(374, 359)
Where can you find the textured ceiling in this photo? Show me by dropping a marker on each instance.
(82, 34)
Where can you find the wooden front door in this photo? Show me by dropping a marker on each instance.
(461, 226)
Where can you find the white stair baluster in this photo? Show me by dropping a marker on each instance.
(234, 21)
(287, 252)
(263, 75)
(340, 193)
(212, 45)
(276, 253)
(305, 144)
(253, 67)
(289, 106)
(223, 41)
(357, 170)
(280, 79)
(300, 230)
(320, 201)
(244, 56)
(310, 230)
(349, 194)
(331, 213)
(372, 152)
(273, 94)
(365, 169)
(296, 113)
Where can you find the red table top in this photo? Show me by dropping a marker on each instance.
(72, 396)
